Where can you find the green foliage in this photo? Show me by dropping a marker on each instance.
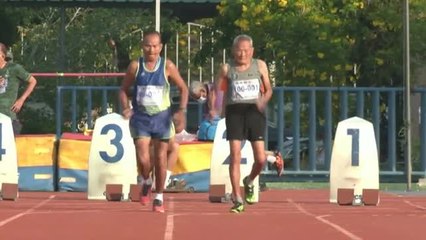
(305, 42)
(324, 43)
(37, 120)
(418, 33)
(36, 44)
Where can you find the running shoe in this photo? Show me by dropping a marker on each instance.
(237, 208)
(139, 179)
(279, 163)
(145, 194)
(248, 191)
(157, 206)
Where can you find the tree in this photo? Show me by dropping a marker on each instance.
(88, 33)
(323, 43)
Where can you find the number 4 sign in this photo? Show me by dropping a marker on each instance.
(219, 165)
(8, 155)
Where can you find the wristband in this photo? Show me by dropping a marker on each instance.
(182, 109)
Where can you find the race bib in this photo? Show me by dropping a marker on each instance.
(3, 83)
(149, 95)
(245, 89)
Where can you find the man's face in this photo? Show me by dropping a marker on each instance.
(2, 56)
(151, 47)
(3, 53)
(201, 94)
(243, 52)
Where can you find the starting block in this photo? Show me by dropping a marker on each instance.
(345, 196)
(135, 192)
(9, 191)
(370, 197)
(114, 192)
(216, 192)
(354, 167)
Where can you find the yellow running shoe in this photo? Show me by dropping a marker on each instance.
(248, 191)
(237, 208)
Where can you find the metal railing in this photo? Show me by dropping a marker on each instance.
(301, 122)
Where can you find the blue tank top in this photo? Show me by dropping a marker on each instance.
(151, 92)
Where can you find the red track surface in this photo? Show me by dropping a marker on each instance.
(281, 214)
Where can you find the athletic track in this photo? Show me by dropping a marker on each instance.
(280, 214)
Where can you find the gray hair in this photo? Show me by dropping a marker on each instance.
(195, 87)
(242, 37)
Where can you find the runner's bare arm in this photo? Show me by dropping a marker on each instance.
(17, 106)
(267, 94)
(221, 84)
(127, 82)
(211, 98)
(175, 77)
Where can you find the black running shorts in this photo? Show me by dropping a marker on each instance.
(244, 122)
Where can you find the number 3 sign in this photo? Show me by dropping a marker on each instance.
(112, 158)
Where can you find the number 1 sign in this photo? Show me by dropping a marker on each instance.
(354, 160)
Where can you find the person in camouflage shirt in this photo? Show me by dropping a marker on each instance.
(11, 76)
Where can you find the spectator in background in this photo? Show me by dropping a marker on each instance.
(204, 93)
(11, 76)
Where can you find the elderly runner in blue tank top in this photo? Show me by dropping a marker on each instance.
(151, 117)
(247, 90)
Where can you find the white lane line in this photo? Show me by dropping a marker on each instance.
(28, 211)
(414, 205)
(321, 219)
(168, 233)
